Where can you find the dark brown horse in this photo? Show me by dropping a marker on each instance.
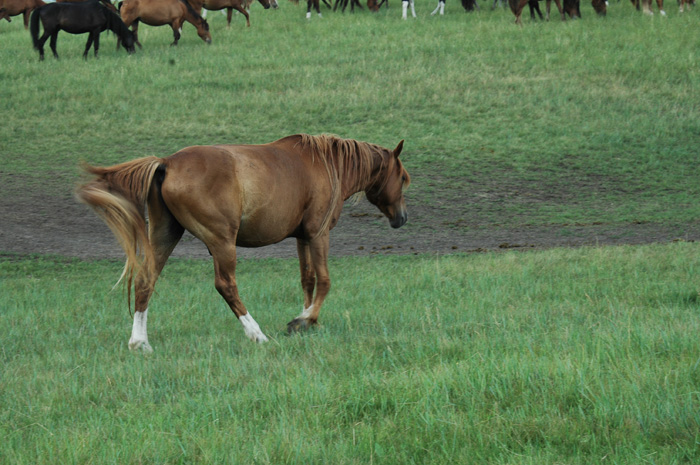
(242, 195)
(10, 8)
(160, 13)
(90, 17)
(230, 5)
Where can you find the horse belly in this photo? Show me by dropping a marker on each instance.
(265, 229)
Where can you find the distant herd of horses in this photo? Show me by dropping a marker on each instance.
(95, 16)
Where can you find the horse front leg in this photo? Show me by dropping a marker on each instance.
(91, 39)
(242, 10)
(225, 283)
(316, 251)
(308, 275)
(176, 25)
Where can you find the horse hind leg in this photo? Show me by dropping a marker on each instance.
(176, 32)
(164, 234)
(52, 44)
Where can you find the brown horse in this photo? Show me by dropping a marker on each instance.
(15, 7)
(242, 195)
(162, 12)
(230, 5)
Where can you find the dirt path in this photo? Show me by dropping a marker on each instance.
(58, 225)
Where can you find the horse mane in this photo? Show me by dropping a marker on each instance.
(194, 13)
(345, 160)
(114, 22)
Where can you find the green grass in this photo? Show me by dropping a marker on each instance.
(572, 356)
(584, 121)
(561, 356)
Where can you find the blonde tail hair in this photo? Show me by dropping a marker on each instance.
(118, 195)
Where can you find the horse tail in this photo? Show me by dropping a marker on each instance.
(118, 195)
(34, 26)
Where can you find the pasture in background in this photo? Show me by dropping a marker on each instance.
(582, 122)
(572, 356)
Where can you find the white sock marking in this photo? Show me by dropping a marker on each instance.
(251, 328)
(306, 313)
(139, 333)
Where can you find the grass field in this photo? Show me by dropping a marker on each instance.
(563, 356)
(573, 356)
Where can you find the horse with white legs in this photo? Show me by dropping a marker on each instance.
(247, 196)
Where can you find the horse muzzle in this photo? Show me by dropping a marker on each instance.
(399, 219)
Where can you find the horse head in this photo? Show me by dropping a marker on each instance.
(127, 41)
(387, 193)
(269, 3)
(203, 30)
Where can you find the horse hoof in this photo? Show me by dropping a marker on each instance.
(298, 325)
(142, 346)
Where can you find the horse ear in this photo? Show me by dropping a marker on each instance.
(397, 150)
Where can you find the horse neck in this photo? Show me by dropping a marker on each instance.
(115, 24)
(361, 176)
(197, 4)
(191, 16)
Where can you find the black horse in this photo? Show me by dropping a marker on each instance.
(78, 18)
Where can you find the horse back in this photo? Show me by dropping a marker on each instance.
(263, 192)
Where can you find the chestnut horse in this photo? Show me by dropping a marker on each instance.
(242, 195)
(229, 6)
(161, 12)
(15, 7)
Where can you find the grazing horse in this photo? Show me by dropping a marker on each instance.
(230, 5)
(160, 13)
(242, 195)
(77, 18)
(15, 7)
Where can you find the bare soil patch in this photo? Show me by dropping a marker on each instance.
(49, 221)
